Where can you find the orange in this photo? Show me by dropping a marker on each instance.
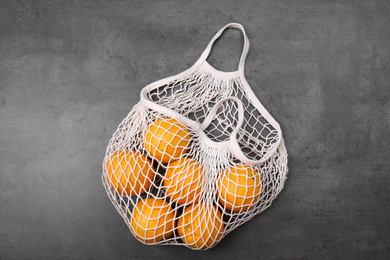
(152, 220)
(183, 181)
(200, 226)
(167, 139)
(129, 173)
(239, 188)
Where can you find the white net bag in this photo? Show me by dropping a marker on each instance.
(197, 157)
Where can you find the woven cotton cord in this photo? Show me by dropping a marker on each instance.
(197, 157)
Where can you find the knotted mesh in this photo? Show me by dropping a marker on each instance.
(191, 173)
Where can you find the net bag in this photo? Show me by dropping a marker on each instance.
(197, 157)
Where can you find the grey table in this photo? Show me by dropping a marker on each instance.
(70, 71)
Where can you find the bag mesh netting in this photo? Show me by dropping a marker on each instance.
(197, 157)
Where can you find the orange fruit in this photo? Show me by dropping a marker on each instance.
(167, 139)
(239, 188)
(183, 181)
(152, 220)
(129, 173)
(200, 226)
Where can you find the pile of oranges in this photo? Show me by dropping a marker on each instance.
(183, 212)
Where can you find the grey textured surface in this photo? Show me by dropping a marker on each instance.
(70, 71)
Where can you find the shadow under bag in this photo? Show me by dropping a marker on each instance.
(197, 157)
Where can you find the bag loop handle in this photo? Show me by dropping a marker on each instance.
(215, 108)
(244, 53)
(232, 144)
